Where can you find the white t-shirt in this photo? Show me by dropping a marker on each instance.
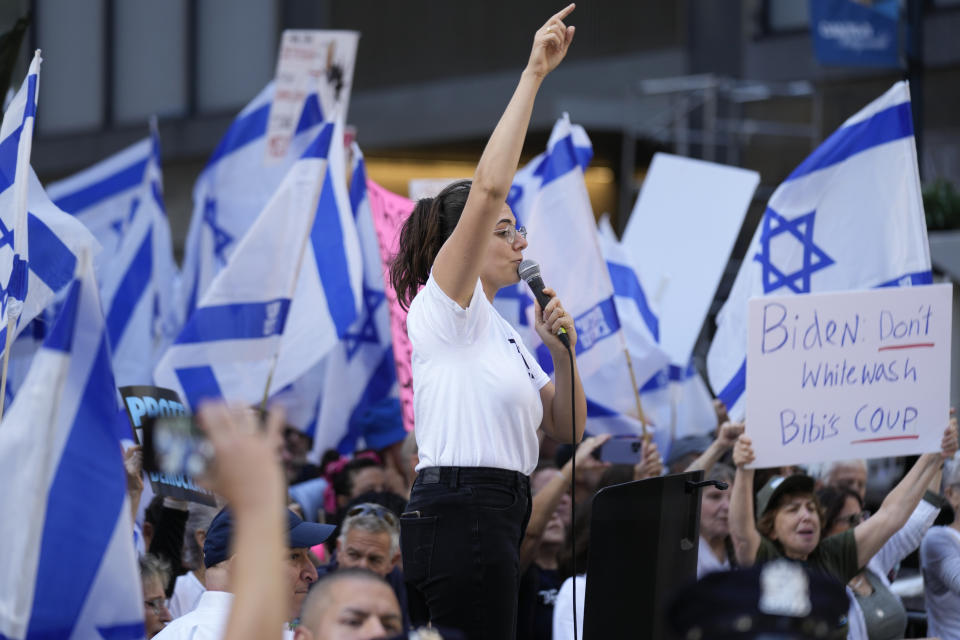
(207, 621)
(940, 559)
(476, 387)
(186, 593)
(563, 608)
(707, 562)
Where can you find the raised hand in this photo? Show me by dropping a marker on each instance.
(246, 469)
(584, 456)
(728, 434)
(550, 43)
(651, 464)
(948, 445)
(743, 451)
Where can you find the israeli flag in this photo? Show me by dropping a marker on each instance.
(70, 569)
(549, 197)
(290, 291)
(353, 392)
(849, 217)
(121, 201)
(235, 186)
(38, 242)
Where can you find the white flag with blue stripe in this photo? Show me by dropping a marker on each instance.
(121, 200)
(549, 197)
(360, 399)
(289, 292)
(849, 217)
(235, 186)
(70, 569)
(352, 394)
(38, 242)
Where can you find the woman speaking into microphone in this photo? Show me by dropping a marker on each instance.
(479, 394)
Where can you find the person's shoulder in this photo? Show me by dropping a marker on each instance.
(941, 535)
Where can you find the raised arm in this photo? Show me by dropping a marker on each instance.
(457, 265)
(547, 499)
(743, 528)
(727, 436)
(896, 508)
(248, 474)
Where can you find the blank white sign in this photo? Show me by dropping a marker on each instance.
(679, 238)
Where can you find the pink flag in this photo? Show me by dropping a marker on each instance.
(390, 211)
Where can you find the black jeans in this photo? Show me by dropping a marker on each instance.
(460, 540)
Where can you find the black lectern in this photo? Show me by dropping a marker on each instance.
(644, 538)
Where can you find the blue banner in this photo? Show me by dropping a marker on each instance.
(848, 33)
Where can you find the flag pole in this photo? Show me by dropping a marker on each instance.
(636, 395)
(336, 139)
(12, 317)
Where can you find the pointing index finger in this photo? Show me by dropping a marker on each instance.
(563, 13)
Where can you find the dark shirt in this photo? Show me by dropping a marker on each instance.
(538, 592)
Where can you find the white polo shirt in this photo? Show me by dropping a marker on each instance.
(476, 387)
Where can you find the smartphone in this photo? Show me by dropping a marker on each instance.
(622, 450)
(175, 445)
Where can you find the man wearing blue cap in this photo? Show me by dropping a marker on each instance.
(208, 619)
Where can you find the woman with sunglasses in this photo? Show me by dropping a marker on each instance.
(479, 394)
(875, 611)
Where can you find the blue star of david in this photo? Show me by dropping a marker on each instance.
(814, 258)
(367, 333)
(517, 293)
(6, 235)
(221, 239)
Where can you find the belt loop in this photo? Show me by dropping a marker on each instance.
(454, 472)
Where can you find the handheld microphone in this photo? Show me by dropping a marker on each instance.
(529, 272)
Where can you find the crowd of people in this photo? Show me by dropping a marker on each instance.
(466, 529)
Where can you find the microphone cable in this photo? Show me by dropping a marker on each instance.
(573, 486)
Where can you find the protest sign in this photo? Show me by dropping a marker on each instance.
(144, 404)
(842, 375)
(680, 238)
(389, 212)
(310, 61)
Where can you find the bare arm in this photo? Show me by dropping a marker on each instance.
(743, 528)
(557, 420)
(248, 474)
(903, 499)
(547, 499)
(133, 465)
(727, 436)
(457, 265)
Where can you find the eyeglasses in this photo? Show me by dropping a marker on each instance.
(380, 511)
(856, 518)
(510, 233)
(157, 605)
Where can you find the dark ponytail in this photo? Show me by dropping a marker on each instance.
(430, 224)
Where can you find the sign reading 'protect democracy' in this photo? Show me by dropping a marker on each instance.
(859, 374)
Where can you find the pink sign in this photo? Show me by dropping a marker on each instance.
(390, 211)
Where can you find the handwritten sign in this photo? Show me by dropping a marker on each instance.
(860, 374)
(389, 212)
(309, 61)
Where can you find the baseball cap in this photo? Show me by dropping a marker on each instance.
(300, 534)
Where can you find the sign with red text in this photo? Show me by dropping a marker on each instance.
(857, 374)
(309, 61)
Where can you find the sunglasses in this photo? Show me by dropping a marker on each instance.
(157, 604)
(855, 518)
(368, 508)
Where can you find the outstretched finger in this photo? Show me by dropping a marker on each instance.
(563, 13)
